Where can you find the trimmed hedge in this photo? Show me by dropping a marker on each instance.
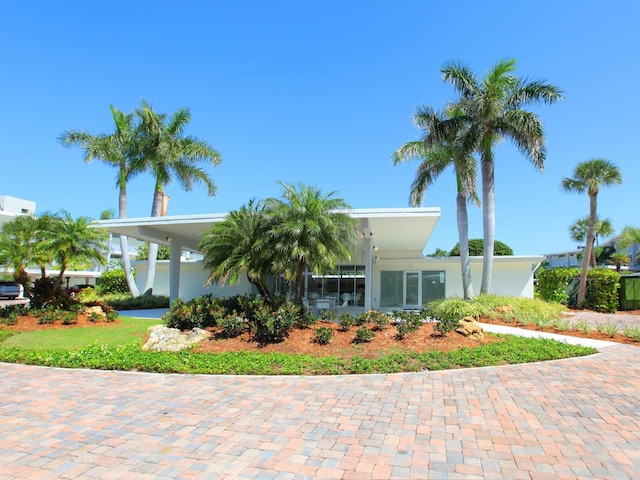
(602, 287)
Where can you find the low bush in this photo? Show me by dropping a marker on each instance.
(113, 281)
(233, 326)
(323, 335)
(346, 321)
(363, 335)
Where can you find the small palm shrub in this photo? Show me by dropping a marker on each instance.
(323, 335)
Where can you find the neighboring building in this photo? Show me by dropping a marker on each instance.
(570, 258)
(11, 207)
(388, 269)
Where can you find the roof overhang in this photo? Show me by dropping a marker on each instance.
(388, 228)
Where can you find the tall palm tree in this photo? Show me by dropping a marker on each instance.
(493, 108)
(437, 155)
(166, 153)
(309, 229)
(590, 176)
(75, 241)
(235, 246)
(580, 227)
(117, 149)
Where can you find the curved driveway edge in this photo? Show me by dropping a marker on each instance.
(576, 418)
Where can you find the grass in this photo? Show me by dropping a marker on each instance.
(129, 356)
(112, 334)
(117, 347)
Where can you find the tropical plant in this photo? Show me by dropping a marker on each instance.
(166, 153)
(19, 248)
(117, 149)
(308, 229)
(590, 176)
(237, 246)
(164, 252)
(493, 109)
(476, 248)
(76, 241)
(619, 259)
(628, 237)
(436, 156)
(580, 228)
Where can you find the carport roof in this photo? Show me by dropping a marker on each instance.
(401, 229)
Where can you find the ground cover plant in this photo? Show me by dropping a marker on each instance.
(398, 341)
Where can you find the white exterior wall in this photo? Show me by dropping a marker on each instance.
(17, 205)
(192, 281)
(512, 276)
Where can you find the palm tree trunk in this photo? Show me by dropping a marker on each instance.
(298, 297)
(124, 241)
(588, 249)
(153, 247)
(463, 237)
(488, 222)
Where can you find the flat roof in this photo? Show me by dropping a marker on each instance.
(389, 228)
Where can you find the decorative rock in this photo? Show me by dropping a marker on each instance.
(97, 310)
(469, 327)
(165, 339)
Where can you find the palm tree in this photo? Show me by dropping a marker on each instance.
(590, 176)
(166, 154)
(580, 227)
(117, 149)
(493, 109)
(309, 230)
(235, 246)
(18, 247)
(629, 236)
(437, 156)
(75, 241)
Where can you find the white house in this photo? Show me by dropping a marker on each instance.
(388, 268)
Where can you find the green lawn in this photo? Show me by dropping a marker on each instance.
(109, 334)
(117, 347)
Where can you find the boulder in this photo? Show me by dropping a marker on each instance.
(469, 327)
(165, 339)
(97, 311)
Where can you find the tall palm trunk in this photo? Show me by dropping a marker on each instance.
(588, 249)
(124, 241)
(463, 237)
(156, 208)
(488, 221)
(299, 272)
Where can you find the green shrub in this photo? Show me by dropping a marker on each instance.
(69, 318)
(608, 329)
(346, 321)
(323, 335)
(233, 326)
(271, 327)
(581, 326)
(363, 335)
(113, 281)
(445, 325)
(552, 283)
(602, 290)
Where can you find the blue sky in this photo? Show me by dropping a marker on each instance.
(321, 92)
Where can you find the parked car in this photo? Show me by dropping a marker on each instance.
(10, 290)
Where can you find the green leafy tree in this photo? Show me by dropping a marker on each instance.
(309, 229)
(240, 245)
(164, 252)
(436, 155)
(167, 154)
(117, 149)
(19, 248)
(590, 176)
(494, 109)
(476, 248)
(439, 253)
(629, 236)
(580, 228)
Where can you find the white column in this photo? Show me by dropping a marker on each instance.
(174, 270)
(368, 273)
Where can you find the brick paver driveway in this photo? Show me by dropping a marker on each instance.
(577, 418)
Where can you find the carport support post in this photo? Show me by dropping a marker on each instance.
(174, 270)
